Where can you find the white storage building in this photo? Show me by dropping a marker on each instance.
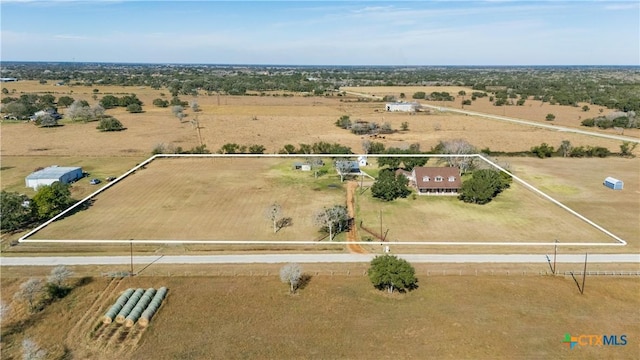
(613, 183)
(403, 106)
(51, 174)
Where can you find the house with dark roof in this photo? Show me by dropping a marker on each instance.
(434, 180)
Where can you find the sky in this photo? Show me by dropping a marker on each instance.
(491, 32)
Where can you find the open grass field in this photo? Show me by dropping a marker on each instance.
(204, 199)
(227, 317)
(225, 199)
(534, 110)
(272, 122)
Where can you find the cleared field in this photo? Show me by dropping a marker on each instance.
(272, 122)
(533, 110)
(343, 317)
(206, 199)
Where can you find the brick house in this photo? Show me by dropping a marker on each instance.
(434, 180)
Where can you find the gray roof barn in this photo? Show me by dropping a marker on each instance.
(51, 174)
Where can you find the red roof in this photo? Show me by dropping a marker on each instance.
(437, 177)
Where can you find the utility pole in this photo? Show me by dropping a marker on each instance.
(584, 273)
(555, 253)
(131, 247)
(381, 224)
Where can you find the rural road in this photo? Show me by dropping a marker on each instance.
(312, 258)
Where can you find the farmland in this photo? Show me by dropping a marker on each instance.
(204, 199)
(343, 317)
(211, 312)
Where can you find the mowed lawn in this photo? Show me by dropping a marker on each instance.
(340, 317)
(204, 199)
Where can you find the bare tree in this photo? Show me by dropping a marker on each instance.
(565, 148)
(291, 274)
(459, 147)
(333, 219)
(315, 164)
(59, 275)
(31, 350)
(29, 291)
(366, 146)
(178, 111)
(274, 213)
(344, 168)
(194, 106)
(4, 310)
(78, 111)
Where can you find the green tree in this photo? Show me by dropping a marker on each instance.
(626, 148)
(65, 101)
(404, 126)
(550, 117)
(110, 124)
(232, 148)
(109, 101)
(585, 108)
(51, 200)
(389, 186)
(484, 185)
(543, 150)
(256, 149)
(160, 102)
(134, 108)
(344, 122)
(388, 272)
(15, 211)
(46, 120)
(419, 95)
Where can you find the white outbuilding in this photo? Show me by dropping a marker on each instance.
(51, 174)
(402, 106)
(613, 183)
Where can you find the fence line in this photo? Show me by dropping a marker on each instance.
(439, 272)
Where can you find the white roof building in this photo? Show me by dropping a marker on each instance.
(51, 174)
(402, 106)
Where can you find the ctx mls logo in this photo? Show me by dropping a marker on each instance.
(594, 340)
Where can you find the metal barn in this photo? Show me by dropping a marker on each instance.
(613, 183)
(51, 174)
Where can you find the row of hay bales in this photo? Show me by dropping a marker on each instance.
(135, 305)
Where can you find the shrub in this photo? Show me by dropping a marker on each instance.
(110, 123)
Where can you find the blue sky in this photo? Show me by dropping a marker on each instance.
(495, 32)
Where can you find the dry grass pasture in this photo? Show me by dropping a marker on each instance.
(204, 199)
(227, 317)
(276, 121)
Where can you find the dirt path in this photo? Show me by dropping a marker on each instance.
(352, 235)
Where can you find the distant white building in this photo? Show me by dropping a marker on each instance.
(51, 174)
(403, 106)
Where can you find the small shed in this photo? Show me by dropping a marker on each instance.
(362, 160)
(613, 183)
(51, 174)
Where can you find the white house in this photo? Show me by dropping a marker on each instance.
(51, 174)
(403, 106)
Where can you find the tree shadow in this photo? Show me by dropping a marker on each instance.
(305, 279)
(283, 223)
(85, 280)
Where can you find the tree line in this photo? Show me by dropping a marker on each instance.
(610, 87)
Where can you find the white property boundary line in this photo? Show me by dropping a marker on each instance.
(25, 238)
